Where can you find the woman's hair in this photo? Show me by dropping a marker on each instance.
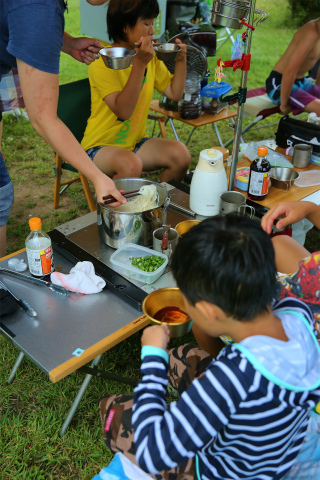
(126, 13)
(227, 261)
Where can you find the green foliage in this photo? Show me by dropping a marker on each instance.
(303, 12)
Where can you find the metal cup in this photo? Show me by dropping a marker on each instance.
(173, 238)
(301, 155)
(234, 202)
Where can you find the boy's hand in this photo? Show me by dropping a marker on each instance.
(156, 336)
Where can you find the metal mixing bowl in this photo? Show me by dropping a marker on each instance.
(117, 58)
(166, 297)
(283, 177)
(167, 52)
(118, 228)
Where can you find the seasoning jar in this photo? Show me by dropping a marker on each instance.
(190, 104)
(259, 177)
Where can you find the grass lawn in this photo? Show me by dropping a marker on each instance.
(32, 409)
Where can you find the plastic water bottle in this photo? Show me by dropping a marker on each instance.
(39, 249)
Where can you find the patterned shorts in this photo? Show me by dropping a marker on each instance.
(187, 362)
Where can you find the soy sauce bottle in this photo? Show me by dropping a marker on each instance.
(259, 176)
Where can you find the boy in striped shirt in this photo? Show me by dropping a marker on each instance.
(243, 415)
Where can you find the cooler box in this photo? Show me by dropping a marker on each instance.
(210, 97)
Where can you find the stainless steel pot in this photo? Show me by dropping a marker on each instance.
(227, 13)
(118, 228)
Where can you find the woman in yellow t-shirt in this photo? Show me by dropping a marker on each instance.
(115, 136)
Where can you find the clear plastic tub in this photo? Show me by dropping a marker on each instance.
(122, 264)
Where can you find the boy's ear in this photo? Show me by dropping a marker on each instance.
(210, 311)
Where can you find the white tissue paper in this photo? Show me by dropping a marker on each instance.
(82, 279)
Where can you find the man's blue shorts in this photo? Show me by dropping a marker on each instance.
(6, 193)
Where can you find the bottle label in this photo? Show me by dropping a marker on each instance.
(259, 183)
(40, 262)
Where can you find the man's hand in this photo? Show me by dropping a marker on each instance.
(285, 109)
(156, 336)
(83, 49)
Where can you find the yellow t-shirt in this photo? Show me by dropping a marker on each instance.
(103, 127)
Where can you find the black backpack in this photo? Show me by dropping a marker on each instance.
(292, 131)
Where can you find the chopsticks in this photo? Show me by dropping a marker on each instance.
(110, 199)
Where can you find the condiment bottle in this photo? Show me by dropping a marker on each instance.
(39, 249)
(259, 178)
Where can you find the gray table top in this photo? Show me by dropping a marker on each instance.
(64, 324)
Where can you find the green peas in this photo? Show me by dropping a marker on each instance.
(147, 264)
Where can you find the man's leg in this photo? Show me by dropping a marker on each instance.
(6, 200)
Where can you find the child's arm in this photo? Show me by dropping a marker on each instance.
(166, 436)
(291, 212)
(124, 102)
(156, 336)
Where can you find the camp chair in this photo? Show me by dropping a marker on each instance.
(260, 106)
(74, 108)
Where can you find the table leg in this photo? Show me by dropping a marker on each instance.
(78, 398)
(218, 134)
(174, 129)
(15, 367)
(190, 135)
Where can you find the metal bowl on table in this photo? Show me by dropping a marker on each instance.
(117, 58)
(184, 227)
(161, 299)
(283, 177)
(118, 228)
(167, 51)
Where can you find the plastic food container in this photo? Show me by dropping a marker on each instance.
(210, 97)
(122, 264)
(242, 178)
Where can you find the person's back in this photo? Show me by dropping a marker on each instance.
(247, 415)
(299, 47)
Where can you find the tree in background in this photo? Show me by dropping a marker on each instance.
(303, 12)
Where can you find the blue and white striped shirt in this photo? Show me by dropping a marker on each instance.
(240, 424)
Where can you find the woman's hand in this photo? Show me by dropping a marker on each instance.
(83, 49)
(104, 186)
(156, 336)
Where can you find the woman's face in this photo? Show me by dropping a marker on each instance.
(143, 28)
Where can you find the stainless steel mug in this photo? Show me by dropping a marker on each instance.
(301, 155)
(234, 202)
(173, 239)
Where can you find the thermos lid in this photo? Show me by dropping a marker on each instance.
(210, 160)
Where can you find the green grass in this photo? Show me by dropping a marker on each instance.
(32, 408)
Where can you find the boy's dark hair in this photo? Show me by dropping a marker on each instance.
(227, 261)
(123, 13)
